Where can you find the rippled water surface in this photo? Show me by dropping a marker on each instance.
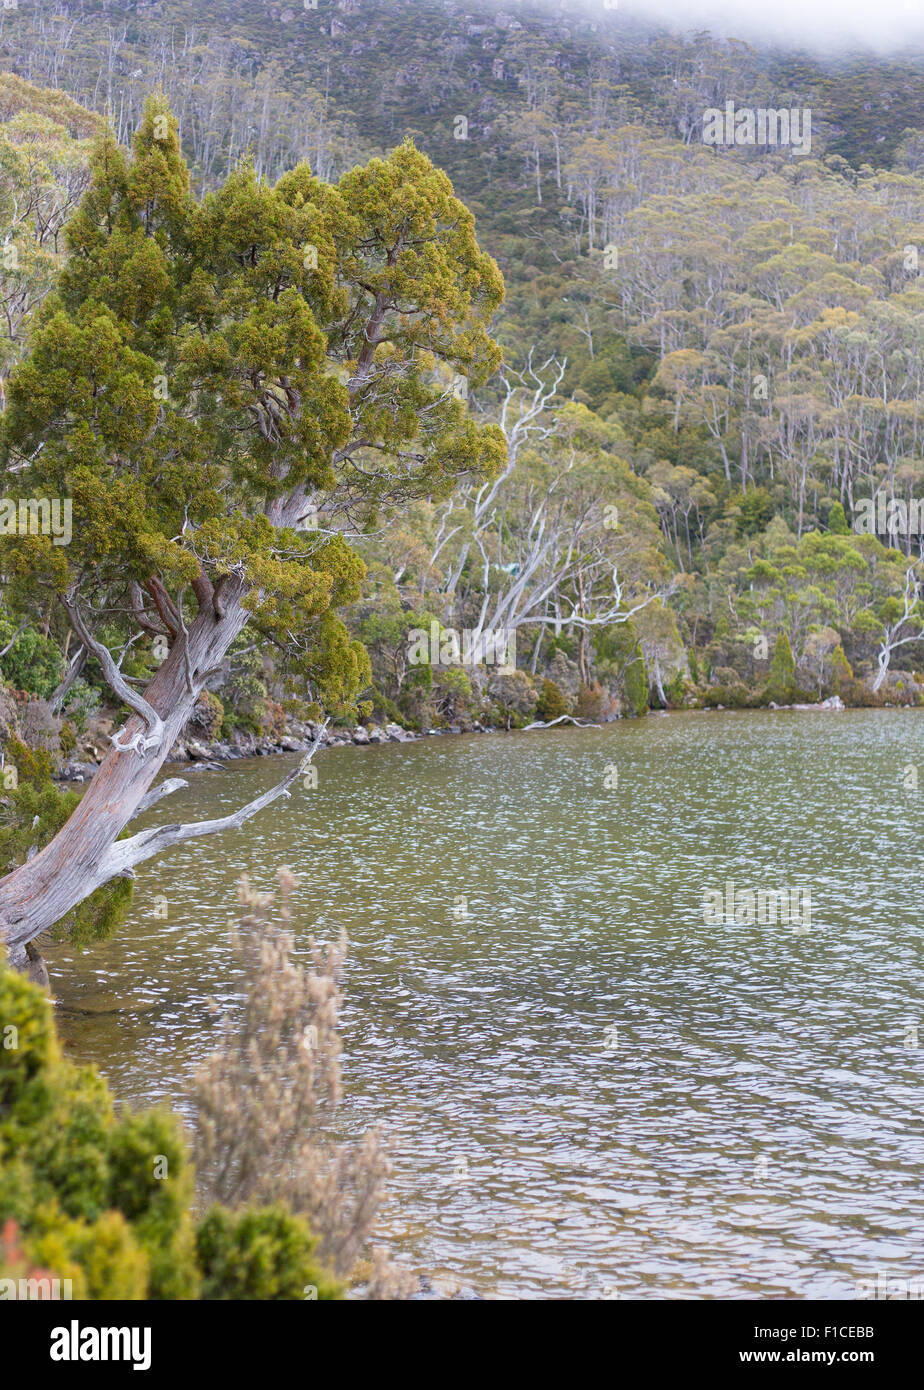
(587, 1090)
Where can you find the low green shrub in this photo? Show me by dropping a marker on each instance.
(551, 703)
(104, 1198)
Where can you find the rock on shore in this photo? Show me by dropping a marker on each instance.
(200, 756)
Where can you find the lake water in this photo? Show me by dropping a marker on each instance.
(587, 1089)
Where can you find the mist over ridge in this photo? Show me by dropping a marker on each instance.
(827, 28)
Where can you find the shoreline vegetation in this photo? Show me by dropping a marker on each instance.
(339, 354)
(203, 755)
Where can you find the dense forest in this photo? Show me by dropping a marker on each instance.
(711, 355)
(341, 341)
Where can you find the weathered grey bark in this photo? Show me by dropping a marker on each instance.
(893, 636)
(27, 959)
(70, 675)
(562, 719)
(38, 970)
(172, 784)
(78, 861)
(659, 684)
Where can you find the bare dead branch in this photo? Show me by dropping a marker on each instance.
(127, 854)
(562, 718)
(172, 784)
(141, 742)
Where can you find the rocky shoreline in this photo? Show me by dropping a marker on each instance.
(198, 755)
(834, 702)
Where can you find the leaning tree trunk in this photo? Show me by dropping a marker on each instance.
(884, 661)
(659, 684)
(81, 858)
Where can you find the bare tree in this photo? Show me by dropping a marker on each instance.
(523, 419)
(900, 626)
(540, 551)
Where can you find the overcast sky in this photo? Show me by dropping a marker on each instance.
(881, 24)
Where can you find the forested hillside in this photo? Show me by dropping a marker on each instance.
(372, 369)
(712, 355)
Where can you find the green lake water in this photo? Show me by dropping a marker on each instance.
(586, 1088)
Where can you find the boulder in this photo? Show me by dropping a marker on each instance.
(397, 734)
(78, 772)
(360, 735)
(566, 674)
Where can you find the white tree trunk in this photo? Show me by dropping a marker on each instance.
(80, 858)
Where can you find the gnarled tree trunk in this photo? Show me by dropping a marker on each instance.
(81, 857)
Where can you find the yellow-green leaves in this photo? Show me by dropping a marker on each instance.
(208, 369)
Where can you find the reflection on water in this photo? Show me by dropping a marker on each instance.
(587, 1090)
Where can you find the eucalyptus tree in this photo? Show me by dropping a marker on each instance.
(569, 540)
(44, 171)
(901, 620)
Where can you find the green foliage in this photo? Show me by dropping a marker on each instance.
(265, 1254)
(103, 1197)
(721, 436)
(382, 705)
(243, 690)
(841, 675)
(31, 814)
(636, 683)
(67, 1163)
(751, 510)
(453, 695)
(837, 520)
(730, 694)
(33, 662)
(619, 647)
(675, 690)
(205, 367)
(551, 703)
(207, 716)
(781, 684)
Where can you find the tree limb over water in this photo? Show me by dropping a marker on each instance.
(562, 718)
